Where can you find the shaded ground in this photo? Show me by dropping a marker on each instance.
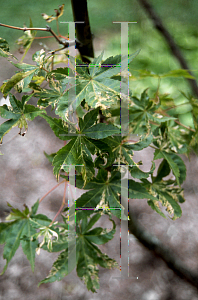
(26, 175)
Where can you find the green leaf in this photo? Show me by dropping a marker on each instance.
(59, 128)
(9, 84)
(7, 126)
(176, 136)
(19, 231)
(8, 114)
(4, 229)
(31, 112)
(122, 153)
(155, 206)
(92, 221)
(166, 192)
(12, 242)
(16, 214)
(163, 171)
(102, 191)
(95, 65)
(80, 149)
(89, 119)
(34, 208)
(143, 142)
(50, 157)
(114, 70)
(90, 199)
(19, 114)
(70, 154)
(89, 255)
(108, 191)
(98, 88)
(23, 78)
(101, 130)
(99, 236)
(4, 48)
(60, 73)
(142, 113)
(176, 164)
(60, 268)
(28, 245)
(138, 191)
(40, 220)
(175, 206)
(55, 95)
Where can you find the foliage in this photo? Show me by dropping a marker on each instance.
(95, 146)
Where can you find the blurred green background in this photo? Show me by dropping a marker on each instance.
(179, 16)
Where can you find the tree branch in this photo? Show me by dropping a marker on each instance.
(174, 48)
(154, 244)
(83, 31)
(65, 43)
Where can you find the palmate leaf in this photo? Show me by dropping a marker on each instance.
(51, 97)
(80, 149)
(106, 191)
(60, 268)
(171, 137)
(175, 134)
(122, 151)
(169, 196)
(176, 164)
(23, 78)
(102, 191)
(59, 128)
(167, 192)
(57, 93)
(18, 114)
(95, 84)
(77, 152)
(143, 112)
(19, 231)
(88, 255)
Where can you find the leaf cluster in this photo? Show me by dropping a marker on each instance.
(86, 100)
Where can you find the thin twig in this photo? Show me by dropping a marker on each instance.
(187, 127)
(176, 121)
(62, 205)
(173, 46)
(52, 190)
(65, 43)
